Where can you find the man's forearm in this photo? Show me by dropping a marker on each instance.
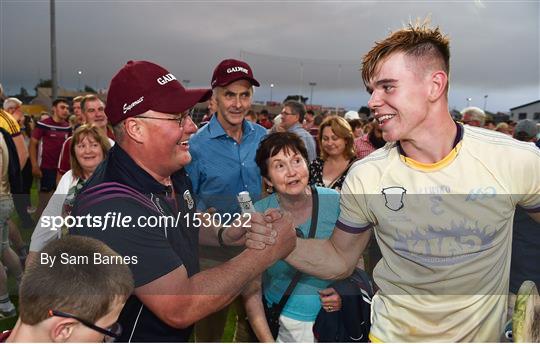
(33, 153)
(226, 281)
(206, 292)
(180, 300)
(318, 258)
(22, 152)
(333, 258)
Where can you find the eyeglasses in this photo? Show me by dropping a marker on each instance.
(283, 113)
(181, 120)
(111, 333)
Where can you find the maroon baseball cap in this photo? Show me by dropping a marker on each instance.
(228, 71)
(141, 86)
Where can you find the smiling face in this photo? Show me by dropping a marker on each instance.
(94, 112)
(287, 172)
(168, 140)
(88, 153)
(399, 98)
(233, 102)
(332, 144)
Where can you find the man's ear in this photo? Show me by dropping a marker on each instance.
(438, 83)
(62, 330)
(134, 129)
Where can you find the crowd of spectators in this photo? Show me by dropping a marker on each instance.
(88, 156)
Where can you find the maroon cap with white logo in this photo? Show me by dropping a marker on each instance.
(141, 86)
(228, 71)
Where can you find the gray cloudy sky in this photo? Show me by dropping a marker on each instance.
(495, 45)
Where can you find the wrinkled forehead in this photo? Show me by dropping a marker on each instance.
(238, 86)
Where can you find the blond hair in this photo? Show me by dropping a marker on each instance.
(417, 40)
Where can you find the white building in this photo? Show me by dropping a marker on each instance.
(526, 111)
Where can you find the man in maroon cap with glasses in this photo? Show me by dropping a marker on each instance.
(224, 165)
(139, 202)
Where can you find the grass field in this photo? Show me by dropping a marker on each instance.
(8, 323)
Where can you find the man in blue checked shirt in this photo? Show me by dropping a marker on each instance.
(223, 164)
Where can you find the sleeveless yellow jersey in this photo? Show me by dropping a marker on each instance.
(445, 234)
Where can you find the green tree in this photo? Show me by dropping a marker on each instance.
(89, 89)
(43, 83)
(23, 93)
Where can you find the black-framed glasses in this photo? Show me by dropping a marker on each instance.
(110, 334)
(181, 120)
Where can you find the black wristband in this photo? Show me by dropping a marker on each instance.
(220, 237)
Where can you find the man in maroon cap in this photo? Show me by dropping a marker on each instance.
(136, 192)
(224, 165)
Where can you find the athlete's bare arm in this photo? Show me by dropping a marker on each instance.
(333, 258)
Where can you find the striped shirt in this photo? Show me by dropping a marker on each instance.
(52, 134)
(9, 123)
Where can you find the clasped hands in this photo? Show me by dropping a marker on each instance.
(273, 230)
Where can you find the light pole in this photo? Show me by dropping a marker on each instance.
(312, 84)
(54, 71)
(79, 75)
(271, 89)
(469, 101)
(485, 102)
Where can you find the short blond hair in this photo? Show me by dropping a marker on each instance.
(417, 40)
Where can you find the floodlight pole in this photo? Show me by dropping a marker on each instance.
(54, 74)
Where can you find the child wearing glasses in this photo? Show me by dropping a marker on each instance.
(71, 302)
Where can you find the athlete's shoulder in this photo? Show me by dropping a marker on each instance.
(485, 142)
(369, 171)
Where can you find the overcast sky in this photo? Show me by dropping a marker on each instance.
(495, 45)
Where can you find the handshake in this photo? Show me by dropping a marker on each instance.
(272, 231)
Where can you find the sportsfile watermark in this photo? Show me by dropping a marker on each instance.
(433, 243)
(118, 220)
